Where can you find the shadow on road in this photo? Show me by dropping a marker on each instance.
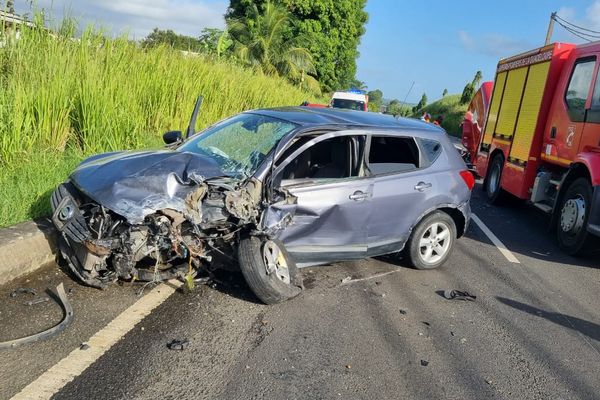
(587, 328)
(524, 230)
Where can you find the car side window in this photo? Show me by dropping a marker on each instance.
(431, 149)
(579, 86)
(333, 158)
(390, 154)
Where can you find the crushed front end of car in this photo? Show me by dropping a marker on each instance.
(151, 216)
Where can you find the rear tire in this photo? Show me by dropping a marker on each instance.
(269, 270)
(432, 241)
(493, 191)
(573, 215)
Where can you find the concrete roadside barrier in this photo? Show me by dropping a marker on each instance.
(26, 247)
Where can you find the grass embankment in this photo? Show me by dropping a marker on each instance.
(63, 99)
(450, 108)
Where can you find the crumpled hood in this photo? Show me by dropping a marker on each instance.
(135, 184)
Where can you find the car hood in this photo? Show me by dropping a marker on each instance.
(135, 184)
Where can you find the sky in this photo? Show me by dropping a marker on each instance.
(436, 44)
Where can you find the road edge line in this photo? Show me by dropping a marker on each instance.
(73, 365)
(497, 242)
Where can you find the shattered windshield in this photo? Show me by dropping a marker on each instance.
(241, 143)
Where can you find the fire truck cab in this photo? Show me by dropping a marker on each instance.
(541, 138)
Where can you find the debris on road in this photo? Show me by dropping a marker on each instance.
(347, 279)
(84, 346)
(541, 254)
(458, 295)
(424, 363)
(403, 312)
(37, 301)
(68, 317)
(23, 290)
(178, 344)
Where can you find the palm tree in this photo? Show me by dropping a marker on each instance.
(260, 42)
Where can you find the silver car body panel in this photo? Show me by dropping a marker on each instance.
(325, 225)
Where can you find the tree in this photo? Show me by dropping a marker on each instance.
(469, 90)
(376, 98)
(394, 107)
(180, 42)
(422, 103)
(356, 84)
(468, 93)
(477, 78)
(215, 41)
(260, 42)
(10, 6)
(445, 92)
(331, 29)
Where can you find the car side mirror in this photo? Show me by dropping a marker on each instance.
(173, 137)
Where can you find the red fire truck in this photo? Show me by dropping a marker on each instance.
(540, 138)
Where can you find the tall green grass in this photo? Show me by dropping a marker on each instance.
(63, 98)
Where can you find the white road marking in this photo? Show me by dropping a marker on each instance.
(369, 277)
(67, 369)
(505, 252)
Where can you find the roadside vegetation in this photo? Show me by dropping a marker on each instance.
(450, 108)
(67, 93)
(62, 99)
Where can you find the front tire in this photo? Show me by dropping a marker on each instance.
(432, 241)
(269, 270)
(574, 212)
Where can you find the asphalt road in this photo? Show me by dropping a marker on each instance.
(533, 331)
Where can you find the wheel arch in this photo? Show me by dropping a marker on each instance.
(575, 171)
(491, 157)
(458, 217)
(456, 213)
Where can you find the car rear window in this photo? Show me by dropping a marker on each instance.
(389, 155)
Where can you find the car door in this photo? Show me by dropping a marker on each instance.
(402, 189)
(331, 210)
(591, 129)
(568, 111)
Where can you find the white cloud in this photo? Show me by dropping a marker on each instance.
(139, 17)
(492, 44)
(590, 19)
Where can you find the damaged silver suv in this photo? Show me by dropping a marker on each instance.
(266, 191)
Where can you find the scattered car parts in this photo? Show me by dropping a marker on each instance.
(458, 295)
(23, 290)
(67, 319)
(178, 344)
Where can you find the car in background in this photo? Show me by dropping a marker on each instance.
(268, 191)
(351, 100)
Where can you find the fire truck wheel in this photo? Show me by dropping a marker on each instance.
(573, 217)
(494, 193)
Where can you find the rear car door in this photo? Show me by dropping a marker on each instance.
(329, 219)
(404, 188)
